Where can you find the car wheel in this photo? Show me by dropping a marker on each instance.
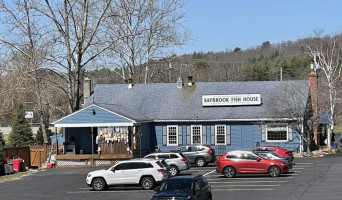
(274, 171)
(200, 162)
(147, 183)
(229, 172)
(99, 184)
(174, 170)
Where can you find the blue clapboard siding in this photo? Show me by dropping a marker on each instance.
(244, 136)
(81, 137)
(86, 116)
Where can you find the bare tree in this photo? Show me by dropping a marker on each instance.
(291, 101)
(79, 39)
(325, 52)
(145, 30)
(27, 47)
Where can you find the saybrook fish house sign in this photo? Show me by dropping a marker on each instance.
(121, 121)
(231, 100)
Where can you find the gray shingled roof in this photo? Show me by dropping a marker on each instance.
(164, 101)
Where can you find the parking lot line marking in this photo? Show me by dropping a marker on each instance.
(85, 188)
(296, 171)
(298, 167)
(242, 189)
(108, 191)
(247, 185)
(209, 173)
(303, 163)
(251, 182)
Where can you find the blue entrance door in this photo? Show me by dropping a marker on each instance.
(247, 138)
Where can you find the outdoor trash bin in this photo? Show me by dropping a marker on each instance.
(8, 168)
(17, 164)
(335, 145)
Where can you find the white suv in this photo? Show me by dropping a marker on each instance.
(177, 161)
(144, 172)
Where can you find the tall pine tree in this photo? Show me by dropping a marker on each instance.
(21, 134)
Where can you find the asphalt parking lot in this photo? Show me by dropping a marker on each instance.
(309, 179)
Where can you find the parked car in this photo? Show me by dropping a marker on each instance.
(144, 172)
(275, 149)
(177, 161)
(274, 156)
(184, 187)
(200, 155)
(240, 162)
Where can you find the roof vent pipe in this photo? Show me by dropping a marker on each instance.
(190, 83)
(130, 83)
(179, 82)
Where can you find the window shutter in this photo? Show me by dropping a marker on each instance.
(180, 135)
(263, 133)
(290, 134)
(188, 135)
(164, 136)
(228, 134)
(204, 135)
(212, 133)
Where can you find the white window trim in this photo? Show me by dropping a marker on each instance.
(167, 135)
(287, 135)
(225, 134)
(192, 138)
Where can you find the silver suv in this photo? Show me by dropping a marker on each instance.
(144, 172)
(177, 161)
(200, 155)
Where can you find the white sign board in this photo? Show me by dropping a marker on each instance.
(231, 100)
(29, 115)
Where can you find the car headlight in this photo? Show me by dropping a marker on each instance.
(283, 164)
(89, 175)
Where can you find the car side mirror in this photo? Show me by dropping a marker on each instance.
(113, 170)
(258, 159)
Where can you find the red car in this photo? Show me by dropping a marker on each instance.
(274, 149)
(241, 162)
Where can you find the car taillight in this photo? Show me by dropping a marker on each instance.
(209, 151)
(183, 159)
(289, 152)
(160, 170)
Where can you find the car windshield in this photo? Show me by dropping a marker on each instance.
(177, 186)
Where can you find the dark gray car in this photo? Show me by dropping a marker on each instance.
(200, 155)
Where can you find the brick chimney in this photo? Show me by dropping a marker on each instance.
(86, 89)
(313, 82)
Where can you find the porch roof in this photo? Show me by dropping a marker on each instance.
(99, 116)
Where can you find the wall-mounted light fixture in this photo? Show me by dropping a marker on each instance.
(93, 112)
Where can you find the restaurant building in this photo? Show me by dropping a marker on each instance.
(122, 121)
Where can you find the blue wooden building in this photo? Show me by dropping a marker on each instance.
(126, 120)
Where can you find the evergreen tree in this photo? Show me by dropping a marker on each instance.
(2, 146)
(39, 137)
(21, 134)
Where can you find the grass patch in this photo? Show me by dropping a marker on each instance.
(13, 176)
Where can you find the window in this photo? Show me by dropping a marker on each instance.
(172, 135)
(196, 134)
(220, 134)
(276, 133)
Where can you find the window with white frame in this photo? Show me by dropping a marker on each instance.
(172, 135)
(220, 134)
(196, 134)
(276, 133)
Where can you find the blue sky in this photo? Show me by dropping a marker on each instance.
(217, 25)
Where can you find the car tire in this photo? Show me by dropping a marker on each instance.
(174, 170)
(274, 171)
(99, 184)
(200, 162)
(229, 172)
(147, 183)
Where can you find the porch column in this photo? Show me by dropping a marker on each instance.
(92, 140)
